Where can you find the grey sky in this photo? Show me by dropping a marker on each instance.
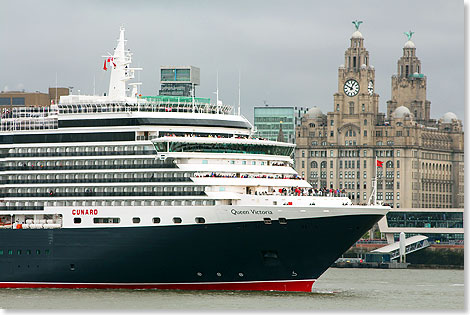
(288, 52)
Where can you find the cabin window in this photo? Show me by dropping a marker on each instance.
(156, 220)
(282, 221)
(200, 220)
(135, 220)
(177, 220)
(267, 220)
(106, 220)
(77, 220)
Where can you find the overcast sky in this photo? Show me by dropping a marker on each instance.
(288, 52)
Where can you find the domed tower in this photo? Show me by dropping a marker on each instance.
(355, 103)
(409, 85)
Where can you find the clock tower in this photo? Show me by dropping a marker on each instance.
(356, 105)
(409, 85)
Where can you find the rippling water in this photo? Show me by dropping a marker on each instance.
(337, 289)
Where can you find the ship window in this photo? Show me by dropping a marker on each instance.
(18, 252)
(10, 252)
(38, 252)
(177, 220)
(282, 221)
(267, 220)
(46, 252)
(1, 251)
(28, 252)
(156, 220)
(200, 220)
(135, 220)
(106, 220)
(77, 220)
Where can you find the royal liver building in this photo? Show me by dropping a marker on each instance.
(423, 159)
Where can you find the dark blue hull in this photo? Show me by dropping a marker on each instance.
(302, 249)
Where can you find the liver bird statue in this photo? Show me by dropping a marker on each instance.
(409, 34)
(356, 24)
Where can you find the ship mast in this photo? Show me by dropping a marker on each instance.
(121, 72)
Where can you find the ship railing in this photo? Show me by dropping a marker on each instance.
(143, 106)
(28, 118)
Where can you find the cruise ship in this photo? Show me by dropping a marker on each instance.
(125, 191)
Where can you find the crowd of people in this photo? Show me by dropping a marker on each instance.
(247, 176)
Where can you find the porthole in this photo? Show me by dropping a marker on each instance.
(219, 274)
(177, 220)
(199, 274)
(240, 274)
(77, 220)
(282, 221)
(135, 220)
(156, 220)
(200, 220)
(267, 220)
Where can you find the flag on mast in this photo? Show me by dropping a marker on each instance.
(104, 67)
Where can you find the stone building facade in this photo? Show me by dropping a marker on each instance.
(423, 159)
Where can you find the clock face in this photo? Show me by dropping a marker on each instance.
(351, 88)
(370, 87)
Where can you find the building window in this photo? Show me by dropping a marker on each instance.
(398, 152)
(363, 107)
(331, 164)
(398, 185)
(332, 122)
(398, 174)
(331, 174)
(398, 195)
(337, 107)
(365, 133)
(340, 164)
(351, 108)
(303, 164)
(303, 153)
(365, 174)
(364, 196)
(314, 164)
(332, 134)
(398, 163)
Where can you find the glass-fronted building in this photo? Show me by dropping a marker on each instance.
(179, 80)
(268, 119)
(440, 225)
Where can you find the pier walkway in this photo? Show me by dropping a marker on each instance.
(412, 244)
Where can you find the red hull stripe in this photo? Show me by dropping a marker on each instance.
(292, 286)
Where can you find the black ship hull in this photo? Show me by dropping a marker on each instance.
(231, 256)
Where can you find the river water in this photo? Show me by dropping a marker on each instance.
(336, 290)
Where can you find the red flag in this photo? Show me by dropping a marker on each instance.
(104, 67)
(380, 163)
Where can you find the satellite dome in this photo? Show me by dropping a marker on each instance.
(401, 112)
(314, 112)
(409, 44)
(357, 34)
(449, 117)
